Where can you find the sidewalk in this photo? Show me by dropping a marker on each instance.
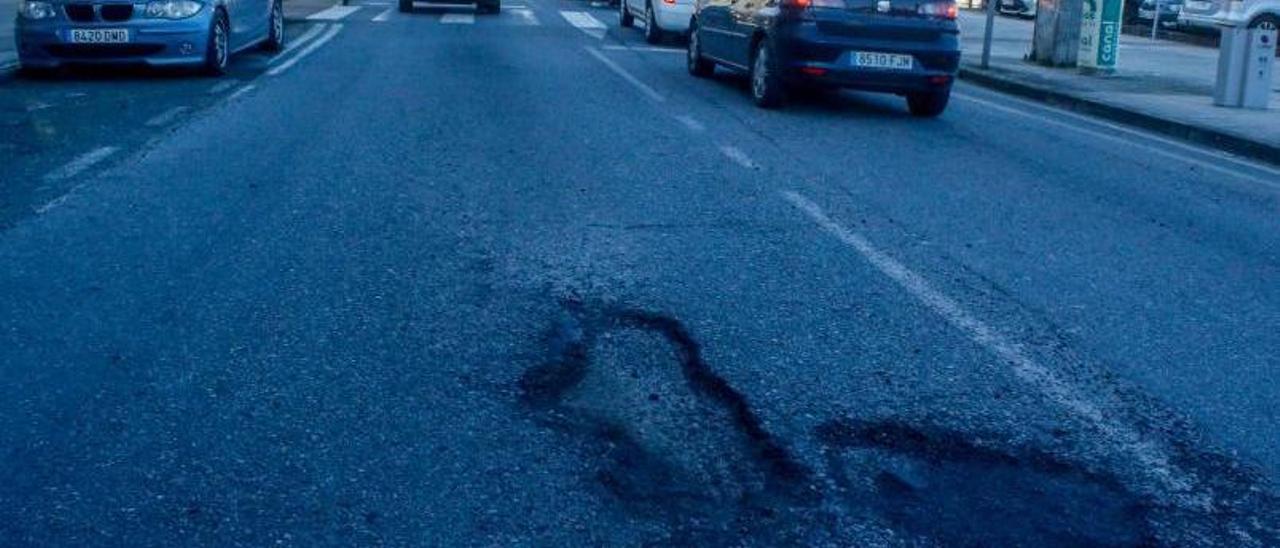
(1163, 86)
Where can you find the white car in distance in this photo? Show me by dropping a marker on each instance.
(661, 17)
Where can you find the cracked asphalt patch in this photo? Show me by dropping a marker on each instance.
(677, 445)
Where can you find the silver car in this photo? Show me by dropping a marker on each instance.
(1250, 13)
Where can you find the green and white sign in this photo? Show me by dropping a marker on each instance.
(1100, 34)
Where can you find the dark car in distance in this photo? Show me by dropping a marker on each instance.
(906, 47)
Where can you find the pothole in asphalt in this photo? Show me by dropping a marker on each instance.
(677, 443)
(938, 484)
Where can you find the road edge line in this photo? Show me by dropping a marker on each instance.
(1220, 140)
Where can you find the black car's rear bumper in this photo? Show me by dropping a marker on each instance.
(812, 55)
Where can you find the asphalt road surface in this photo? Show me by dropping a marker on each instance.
(443, 279)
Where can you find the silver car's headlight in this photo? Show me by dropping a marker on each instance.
(36, 10)
(173, 9)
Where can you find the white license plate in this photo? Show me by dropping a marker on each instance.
(99, 36)
(891, 61)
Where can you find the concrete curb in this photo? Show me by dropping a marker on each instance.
(1234, 144)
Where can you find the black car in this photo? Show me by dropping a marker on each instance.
(907, 47)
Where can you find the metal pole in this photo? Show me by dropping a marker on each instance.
(986, 38)
(1155, 21)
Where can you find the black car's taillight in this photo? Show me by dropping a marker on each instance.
(941, 10)
(805, 4)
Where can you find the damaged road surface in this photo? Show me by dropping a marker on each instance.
(436, 278)
(673, 443)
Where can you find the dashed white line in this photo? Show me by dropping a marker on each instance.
(223, 86)
(37, 105)
(300, 41)
(386, 14)
(166, 117)
(646, 49)
(41, 210)
(691, 123)
(524, 16)
(1025, 367)
(335, 13)
(80, 163)
(311, 48)
(643, 87)
(584, 22)
(458, 19)
(246, 89)
(739, 157)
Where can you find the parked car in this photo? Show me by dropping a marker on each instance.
(1169, 11)
(1020, 8)
(661, 17)
(906, 47)
(1212, 13)
(202, 33)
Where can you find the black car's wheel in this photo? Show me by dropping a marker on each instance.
(406, 6)
(698, 65)
(766, 84)
(625, 19)
(928, 104)
(488, 8)
(652, 34)
(218, 51)
(275, 36)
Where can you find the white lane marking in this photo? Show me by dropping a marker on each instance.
(37, 105)
(1216, 155)
(299, 42)
(458, 19)
(41, 210)
(375, 4)
(643, 87)
(164, 118)
(524, 16)
(739, 157)
(386, 14)
(691, 123)
(223, 86)
(80, 163)
(647, 49)
(584, 22)
(246, 89)
(335, 13)
(1153, 460)
(311, 48)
